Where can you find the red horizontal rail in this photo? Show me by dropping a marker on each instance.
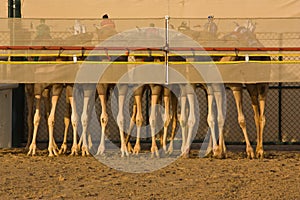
(150, 48)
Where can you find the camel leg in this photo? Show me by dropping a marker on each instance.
(131, 125)
(190, 123)
(102, 89)
(155, 93)
(74, 121)
(211, 121)
(166, 118)
(47, 103)
(238, 96)
(139, 119)
(67, 118)
(219, 95)
(29, 91)
(182, 118)
(36, 122)
(174, 123)
(120, 119)
(52, 147)
(258, 93)
(86, 110)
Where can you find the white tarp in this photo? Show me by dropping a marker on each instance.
(160, 8)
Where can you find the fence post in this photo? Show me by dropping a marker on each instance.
(280, 58)
(166, 49)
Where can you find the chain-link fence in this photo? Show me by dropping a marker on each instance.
(281, 108)
(282, 117)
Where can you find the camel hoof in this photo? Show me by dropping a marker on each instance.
(259, 154)
(219, 154)
(250, 155)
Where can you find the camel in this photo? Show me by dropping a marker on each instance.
(258, 91)
(157, 92)
(187, 119)
(137, 116)
(88, 103)
(56, 89)
(242, 35)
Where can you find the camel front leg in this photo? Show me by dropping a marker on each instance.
(29, 92)
(190, 124)
(36, 122)
(262, 123)
(67, 119)
(74, 120)
(166, 120)
(221, 107)
(139, 123)
(84, 121)
(152, 122)
(120, 120)
(52, 147)
(237, 93)
(211, 123)
(174, 123)
(103, 121)
(183, 122)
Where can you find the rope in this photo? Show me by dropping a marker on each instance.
(140, 63)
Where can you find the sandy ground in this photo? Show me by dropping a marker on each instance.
(277, 176)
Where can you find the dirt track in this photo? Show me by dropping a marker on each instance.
(40, 177)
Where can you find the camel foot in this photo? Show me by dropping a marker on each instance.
(137, 149)
(74, 150)
(101, 150)
(84, 151)
(63, 149)
(250, 152)
(219, 153)
(32, 150)
(170, 151)
(124, 150)
(185, 153)
(52, 151)
(154, 152)
(260, 153)
(129, 148)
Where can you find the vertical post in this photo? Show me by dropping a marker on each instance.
(14, 11)
(280, 108)
(166, 49)
(280, 97)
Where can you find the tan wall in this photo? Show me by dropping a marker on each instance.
(160, 8)
(3, 9)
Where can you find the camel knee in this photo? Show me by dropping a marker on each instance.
(51, 121)
(36, 119)
(242, 122)
(211, 121)
(182, 121)
(104, 119)
(84, 120)
(139, 122)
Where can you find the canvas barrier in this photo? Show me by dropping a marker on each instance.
(161, 38)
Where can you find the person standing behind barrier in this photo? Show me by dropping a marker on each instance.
(43, 30)
(79, 28)
(107, 23)
(211, 27)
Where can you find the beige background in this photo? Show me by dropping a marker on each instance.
(160, 8)
(3, 9)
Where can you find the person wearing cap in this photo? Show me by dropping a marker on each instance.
(78, 28)
(107, 23)
(43, 30)
(211, 26)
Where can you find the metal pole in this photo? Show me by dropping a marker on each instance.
(280, 98)
(166, 49)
